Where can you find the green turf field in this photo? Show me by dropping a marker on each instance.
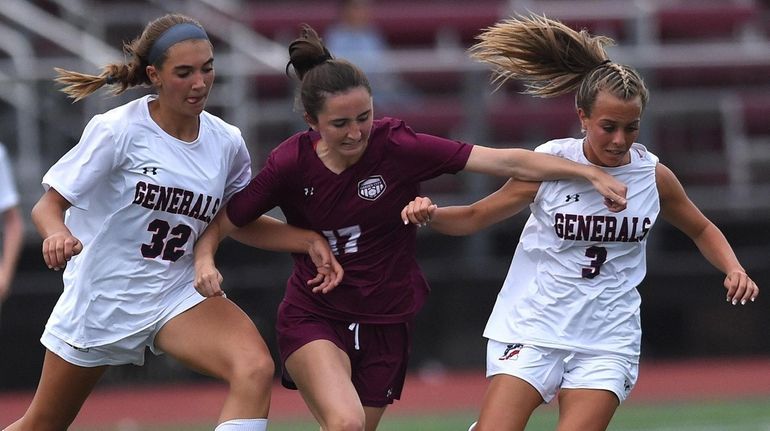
(748, 415)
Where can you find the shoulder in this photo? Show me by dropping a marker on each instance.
(219, 126)
(131, 111)
(387, 128)
(5, 161)
(120, 120)
(643, 154)
(568, 148)
(395, 134)
(666, 180)
(223, 131)
(288, 152)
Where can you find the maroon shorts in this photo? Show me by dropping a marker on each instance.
(378, 353)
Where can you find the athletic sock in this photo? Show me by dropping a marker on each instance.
(243, 425)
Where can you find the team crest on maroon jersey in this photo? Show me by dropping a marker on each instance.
(371, 188)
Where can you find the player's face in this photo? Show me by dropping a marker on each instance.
(345, 122)
(184, 81)
(611, 129)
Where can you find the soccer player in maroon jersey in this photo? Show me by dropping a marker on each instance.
(348, 178)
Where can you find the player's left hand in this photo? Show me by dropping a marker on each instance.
(740, 288)
(418, 211)
(330, 271)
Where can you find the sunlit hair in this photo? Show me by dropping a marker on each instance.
(552, 59)
(129, 73)
(321, 75)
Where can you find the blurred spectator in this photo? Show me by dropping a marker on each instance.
(357, 39)
(12, 225)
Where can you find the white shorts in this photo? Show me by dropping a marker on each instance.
(549, 370)
(127, 350)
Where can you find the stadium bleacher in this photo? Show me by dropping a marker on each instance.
(404, 23)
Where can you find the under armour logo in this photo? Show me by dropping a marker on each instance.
(153, 171)
(573, 198)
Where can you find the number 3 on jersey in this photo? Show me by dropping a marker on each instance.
(598, 256)
(344, 240)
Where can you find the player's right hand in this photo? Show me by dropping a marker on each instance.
(208, 280)
(329, 271)
(58, 248)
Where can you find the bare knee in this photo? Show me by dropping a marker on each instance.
(256, 369)
(345, 421)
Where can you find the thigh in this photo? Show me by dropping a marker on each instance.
(296, 328)
(211, 336)
(321, 371)
(380, 356)
(541, 367)
(127, 350)
(62, 390)
(593, 387)
(604, 371)
(586, 409)
(508, 403)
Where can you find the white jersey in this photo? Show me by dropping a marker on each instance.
(572, 281)
(140, 198)
(9, 196)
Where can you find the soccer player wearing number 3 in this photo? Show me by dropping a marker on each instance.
(566, 321)
(348, 178)
(122, 210)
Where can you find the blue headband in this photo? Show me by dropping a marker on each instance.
(173, 35)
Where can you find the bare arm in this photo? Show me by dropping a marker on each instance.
(510, 199)
(269, 234)
(59, 245)
(208, 280)
(272, 234)
(13, 235)
(678, 209)
(528, 165)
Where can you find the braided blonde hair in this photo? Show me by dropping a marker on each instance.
(552, 59)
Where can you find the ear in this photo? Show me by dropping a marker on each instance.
(310, 122)
(153, 74)
(583, 119)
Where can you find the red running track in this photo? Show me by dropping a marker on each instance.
(456, 391)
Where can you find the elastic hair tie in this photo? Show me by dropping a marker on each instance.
(109, 80)
(173, 35)
(324, 58)
(603, 63)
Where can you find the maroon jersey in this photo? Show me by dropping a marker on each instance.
(358, 211)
